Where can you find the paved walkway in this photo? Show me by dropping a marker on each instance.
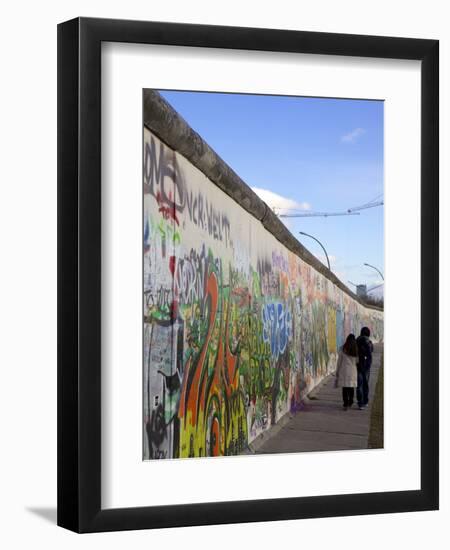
(323, 425)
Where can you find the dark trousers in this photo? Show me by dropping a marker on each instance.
(347, 396)
(362, 391)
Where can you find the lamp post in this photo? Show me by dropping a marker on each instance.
(376, 269)
(317, 240)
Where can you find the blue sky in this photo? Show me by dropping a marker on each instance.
(323, 155)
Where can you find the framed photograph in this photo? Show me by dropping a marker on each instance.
(247, 275)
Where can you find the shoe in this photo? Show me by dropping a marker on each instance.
(361, 407)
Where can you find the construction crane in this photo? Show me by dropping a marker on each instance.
(374, 287)
(354, 211)
(364, 206)
(313, 214)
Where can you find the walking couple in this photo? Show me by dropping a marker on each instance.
(353, 369)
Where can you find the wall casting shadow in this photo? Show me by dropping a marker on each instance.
(46, 513)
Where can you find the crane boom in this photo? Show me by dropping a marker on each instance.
(374, 287)
(364, 206)
(349, 212)
(313, 214)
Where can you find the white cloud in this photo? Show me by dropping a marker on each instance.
(282, 205)
(353, 136)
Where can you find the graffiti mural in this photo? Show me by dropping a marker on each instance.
(237, 329)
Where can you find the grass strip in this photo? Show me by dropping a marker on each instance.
(376, 431)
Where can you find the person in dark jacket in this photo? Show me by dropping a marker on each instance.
(365, 350)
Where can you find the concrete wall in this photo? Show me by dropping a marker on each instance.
(237, 327)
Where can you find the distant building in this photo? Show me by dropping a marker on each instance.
(361, 291)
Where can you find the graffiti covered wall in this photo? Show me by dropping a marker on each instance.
(237, 328)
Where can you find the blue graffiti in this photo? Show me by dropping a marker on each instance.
(146, 236)
(277, 327)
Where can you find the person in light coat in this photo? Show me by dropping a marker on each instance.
(346, 370)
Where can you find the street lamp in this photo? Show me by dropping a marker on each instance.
(317, 240)
(376, 269)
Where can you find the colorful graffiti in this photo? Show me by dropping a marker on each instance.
(237, 329)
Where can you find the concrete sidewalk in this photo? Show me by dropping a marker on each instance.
(323, 424)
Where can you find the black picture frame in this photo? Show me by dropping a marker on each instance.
(79, 274)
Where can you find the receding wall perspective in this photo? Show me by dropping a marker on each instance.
(237, 328)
